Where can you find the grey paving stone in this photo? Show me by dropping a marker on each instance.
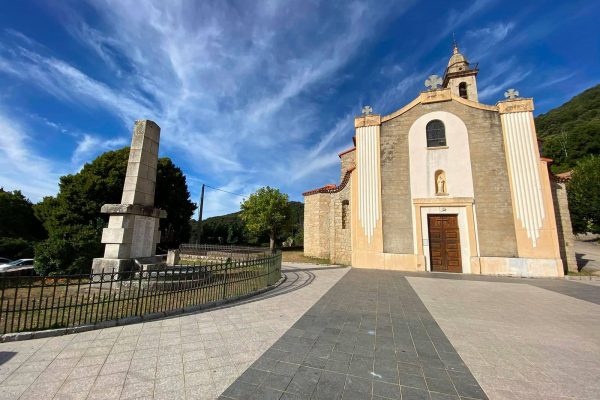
(358, 385)
(330, 386)
(286, 368)
(415, 381)
(240, 390)
(409, 393)
(372, 329)
(278, 382)
(265, 393)
(440, 385)
(386, 390)
(471, 391)
(254, 376)
(441, 396)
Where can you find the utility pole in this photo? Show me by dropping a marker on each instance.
(200, 214)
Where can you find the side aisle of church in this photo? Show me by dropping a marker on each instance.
(444, 184)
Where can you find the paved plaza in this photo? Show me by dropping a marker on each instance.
(336, 332)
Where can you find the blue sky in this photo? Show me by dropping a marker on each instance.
(259, 93)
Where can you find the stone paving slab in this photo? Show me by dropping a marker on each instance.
(369, 337)
(567, 287)
(195, 356)
(520, 341)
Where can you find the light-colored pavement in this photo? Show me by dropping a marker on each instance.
(195, 356)
(518, 340)
(587, 251)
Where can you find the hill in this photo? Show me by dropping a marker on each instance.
(230, 229)
(572, 131)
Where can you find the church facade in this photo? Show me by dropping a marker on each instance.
(447, 184)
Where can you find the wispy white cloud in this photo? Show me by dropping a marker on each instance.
(239, 88)
(90, 146)
(495, 32)
(506, 82)
(21, 167)
(225, 91)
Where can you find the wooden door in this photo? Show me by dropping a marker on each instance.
(444, 243)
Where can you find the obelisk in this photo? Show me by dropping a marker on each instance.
(132, 230)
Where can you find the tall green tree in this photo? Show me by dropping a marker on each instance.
(19, 227)
(73, 217)
(173, 196)
(266, 211)
(583, 191)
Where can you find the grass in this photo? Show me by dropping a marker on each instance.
(579, 273)
(297, 256)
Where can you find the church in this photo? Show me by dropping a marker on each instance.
(445, 184)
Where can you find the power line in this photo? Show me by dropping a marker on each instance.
(224, 191)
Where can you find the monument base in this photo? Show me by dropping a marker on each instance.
(112, 265)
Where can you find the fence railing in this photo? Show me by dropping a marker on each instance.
(29, 303)
(235, 252)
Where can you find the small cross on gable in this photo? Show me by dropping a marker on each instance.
(433, 81)
(366, 110)
(511, 94)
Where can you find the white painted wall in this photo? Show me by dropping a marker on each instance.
(455, 160)
(367, 164)
(523, 164)
(463, 230)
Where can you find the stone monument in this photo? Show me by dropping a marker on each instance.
(132, 231)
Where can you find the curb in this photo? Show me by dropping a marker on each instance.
(19, 336)
(582, 278)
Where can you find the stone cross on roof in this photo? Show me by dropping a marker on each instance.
(366, 110)
(511, 94)
(433, 81)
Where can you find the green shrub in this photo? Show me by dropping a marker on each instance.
(68, 254)
(16, 248)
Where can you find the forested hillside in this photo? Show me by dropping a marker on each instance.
(230, 229)
(572, 131)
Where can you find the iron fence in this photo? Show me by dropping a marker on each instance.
(29, 303)
(219, 251)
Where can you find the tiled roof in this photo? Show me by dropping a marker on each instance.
(331, 188)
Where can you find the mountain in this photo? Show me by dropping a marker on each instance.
(572, 131)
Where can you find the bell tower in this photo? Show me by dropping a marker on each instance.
(460, 76)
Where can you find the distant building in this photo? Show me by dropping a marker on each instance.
(444, 184)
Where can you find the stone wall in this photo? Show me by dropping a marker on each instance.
(316, 225)
(325, 234)
(490, 179)
(563, 226)
(396, 203)
(341, 238)
(347, 161)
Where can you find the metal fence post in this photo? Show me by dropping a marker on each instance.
(227, 264)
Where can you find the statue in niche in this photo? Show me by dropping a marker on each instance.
(440, 183)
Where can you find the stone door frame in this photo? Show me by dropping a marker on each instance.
(467, 226)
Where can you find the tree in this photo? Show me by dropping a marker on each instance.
(73, 217)
(583, 191)
(17, 219)
(266, 211)
(19, 227)
(173, 196)
(69, 253)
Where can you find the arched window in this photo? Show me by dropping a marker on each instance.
(462, 90)
(436, 133)
(345, 205)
